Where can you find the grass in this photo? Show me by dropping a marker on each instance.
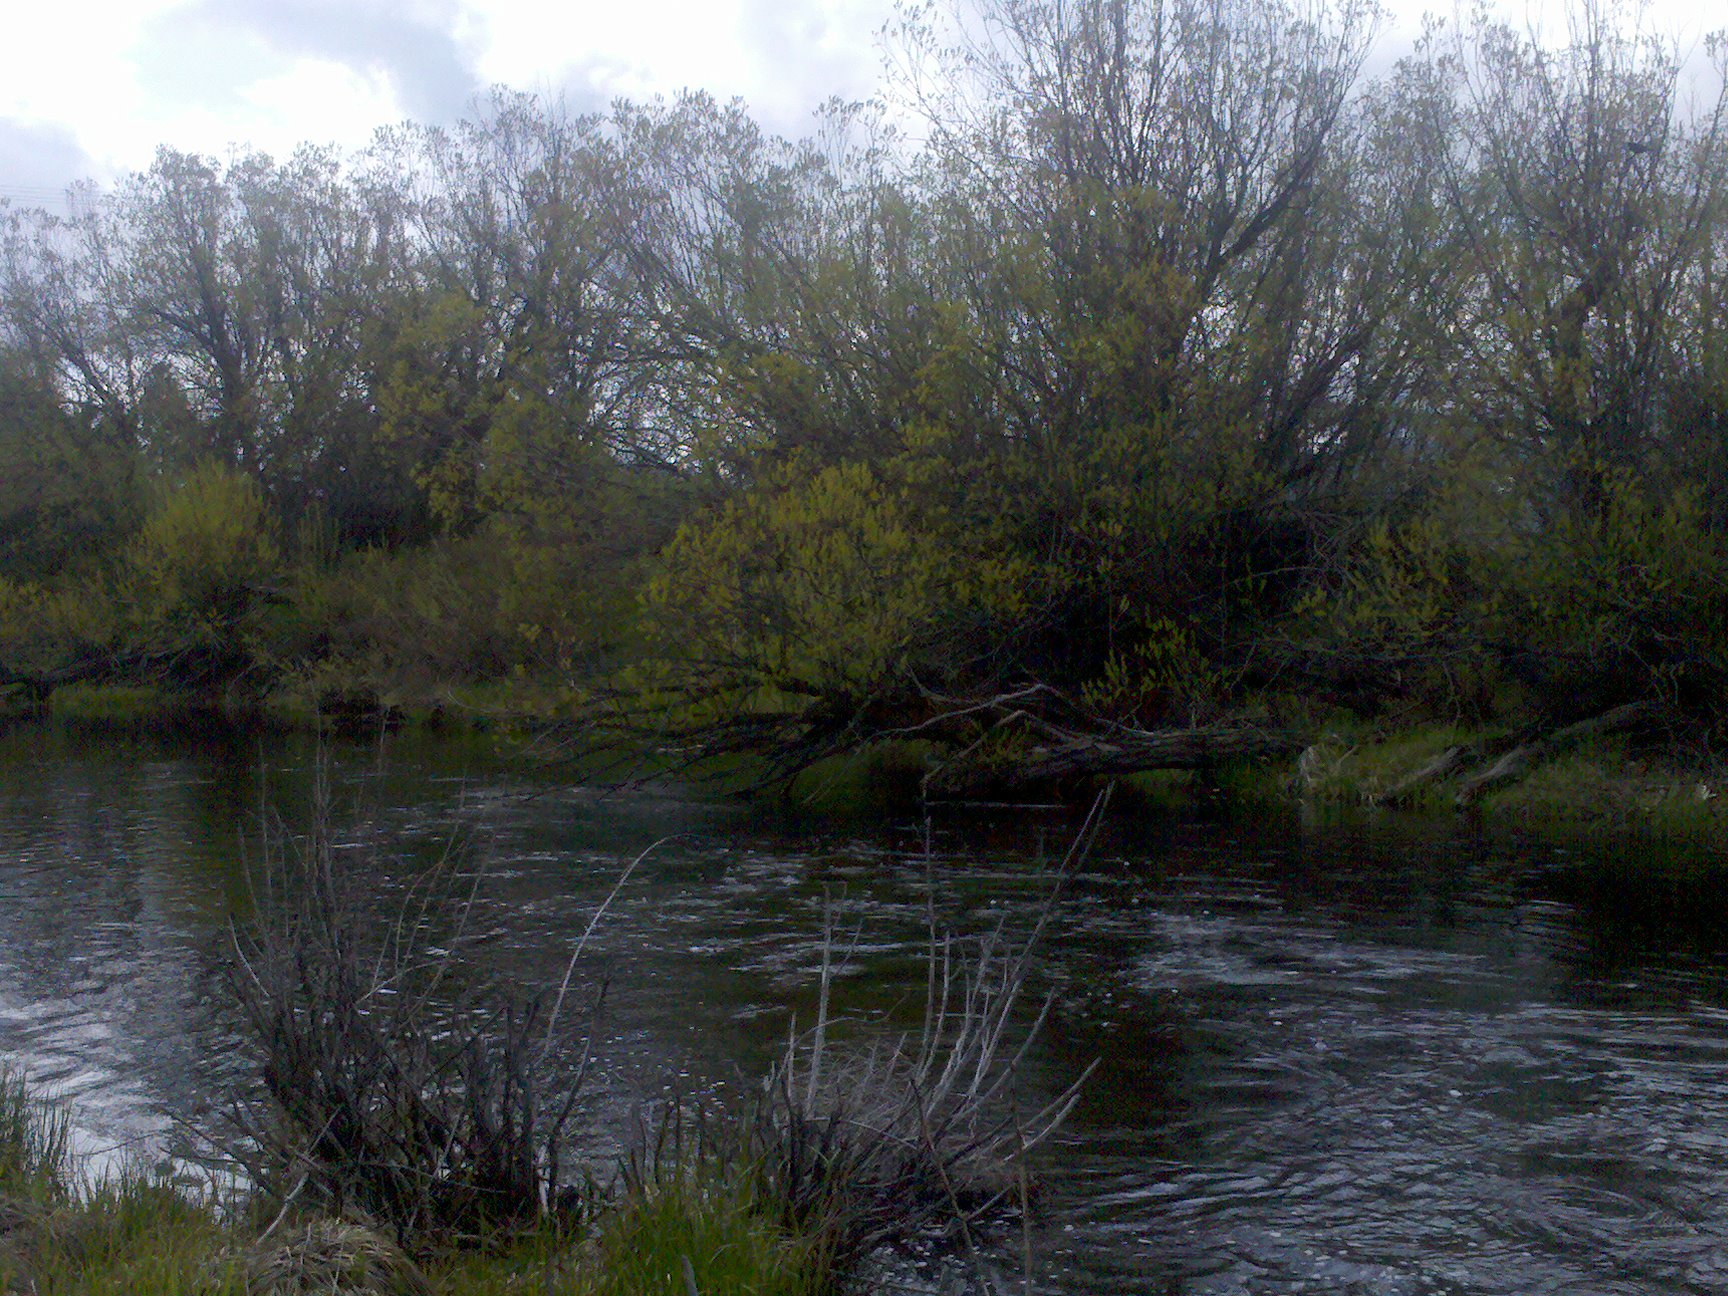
(477, 708)
(136, 1234)
(128, 1234)
(112, 704)
(1598, 792)
(1605, 789)
(34, 1142)
(703, 1228)
(882, 777)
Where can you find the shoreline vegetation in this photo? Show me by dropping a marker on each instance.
(1175, 396)
(408, 1127)
(1604, 782)
(694, 1225)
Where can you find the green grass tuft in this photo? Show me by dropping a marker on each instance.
(109, 703)
(34, 1144)
(704, 1220)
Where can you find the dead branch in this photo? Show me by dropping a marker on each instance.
(1518, 762)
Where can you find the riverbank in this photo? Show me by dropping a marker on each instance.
(140, 1233)
(143, 1237)
(1595, 792)
(405, 1122)
(1594, 786)
(477, 707)
(374, 1156)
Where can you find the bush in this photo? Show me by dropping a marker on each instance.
(1624, 602)
(206, 548)
(204, 563)
(399, 1079)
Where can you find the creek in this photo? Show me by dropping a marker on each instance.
(1379, 1058)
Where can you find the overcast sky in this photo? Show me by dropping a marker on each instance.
(90, 88)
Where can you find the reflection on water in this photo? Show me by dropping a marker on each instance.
(108, 871)
(1330, 1063)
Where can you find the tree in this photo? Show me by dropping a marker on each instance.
(65, 493)
(1586, 200)
(1076, 441)
(1572, 319)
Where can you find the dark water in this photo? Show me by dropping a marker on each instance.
(1344, 1060)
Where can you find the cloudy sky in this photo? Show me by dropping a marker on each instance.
(90, 88)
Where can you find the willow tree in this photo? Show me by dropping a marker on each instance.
(1584, 186)
(1189, 328)
(1046, 417)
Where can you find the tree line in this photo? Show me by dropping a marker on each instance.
(1131, 366)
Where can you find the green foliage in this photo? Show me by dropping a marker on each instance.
(708, 1220)
(204, 560)
(1164, 559)
(1625, 602)
(1173, 376)
(504, 603)
(429, 425)
(819, 583)
(107, 704)
(64, 495)
(43, 627)
(389, 621)
(1162, 674)
(1409, 615)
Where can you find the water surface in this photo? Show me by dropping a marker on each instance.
(1354, 1060)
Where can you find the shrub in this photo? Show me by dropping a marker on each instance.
(399, 1079)
(204, 562)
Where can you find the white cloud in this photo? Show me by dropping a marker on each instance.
(319, 101)
(415, 45)
(783, 58)
(37, 162)
(68, 66)
(116, 78)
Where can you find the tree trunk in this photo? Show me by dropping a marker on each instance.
(1068, 755)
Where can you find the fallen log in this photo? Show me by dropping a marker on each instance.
(39, 684)
(1068, 755)
(1448, 763)
(1515, 764)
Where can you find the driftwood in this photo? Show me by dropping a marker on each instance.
(1442, 766)
(1498, 761)
(1515, 764)
(1448, 764)
(105, 667)
(39, 684)
(1491, 762)
(1065, 755)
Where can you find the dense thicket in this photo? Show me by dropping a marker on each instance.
(1179, 376)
